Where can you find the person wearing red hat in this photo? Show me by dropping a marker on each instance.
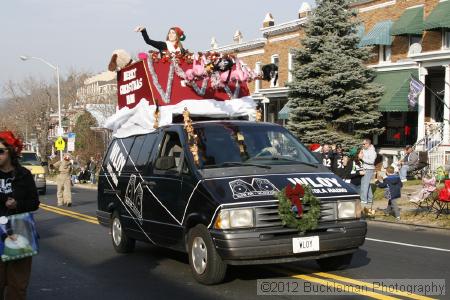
(18, 194)
(173, 40)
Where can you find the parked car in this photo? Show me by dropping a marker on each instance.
(223, 210)
(32, 162)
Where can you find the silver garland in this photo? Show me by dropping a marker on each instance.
(164, 95)
(200, 92)
(236, 91)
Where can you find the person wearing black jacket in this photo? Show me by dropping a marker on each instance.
(337, 165)
(18, 194)
(327, 156)
(353, 172)
(173, 40)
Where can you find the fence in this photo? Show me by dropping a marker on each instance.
(437, 159)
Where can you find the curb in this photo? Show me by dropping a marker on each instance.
(408, 225)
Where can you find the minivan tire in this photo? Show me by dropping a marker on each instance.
(121, 242)
(335, 262)
(206, 264)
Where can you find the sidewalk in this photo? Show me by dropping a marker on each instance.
(408, 210)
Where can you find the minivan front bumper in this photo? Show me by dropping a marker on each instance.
(264, 246)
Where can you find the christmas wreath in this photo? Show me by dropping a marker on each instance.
(290, 208)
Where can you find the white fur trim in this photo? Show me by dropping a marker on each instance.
(140, 119)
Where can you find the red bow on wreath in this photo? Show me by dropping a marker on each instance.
(295, 195)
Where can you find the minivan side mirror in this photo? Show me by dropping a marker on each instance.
(165, 163)
(44, 163)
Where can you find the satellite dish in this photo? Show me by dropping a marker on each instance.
(415, 48)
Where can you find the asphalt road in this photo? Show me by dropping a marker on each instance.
(77, 261)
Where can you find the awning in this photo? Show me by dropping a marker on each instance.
(283, 114)
(379, 35)
(439, 17)
(396, 89)
(410, 22)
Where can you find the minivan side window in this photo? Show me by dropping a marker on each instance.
(171, 147)
(146, 151)
(134, 154)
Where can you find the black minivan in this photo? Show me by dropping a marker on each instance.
(223, 209)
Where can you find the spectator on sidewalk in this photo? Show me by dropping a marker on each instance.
(409, 162)
(92, 167)
(337, 166)
(353, 171)
(367, 156)
(393, 186)
(18, 194)
(327, 156)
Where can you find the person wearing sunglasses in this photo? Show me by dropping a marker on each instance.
(18, 194)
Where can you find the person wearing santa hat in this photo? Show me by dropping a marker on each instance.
(173, 40)
(18, 194)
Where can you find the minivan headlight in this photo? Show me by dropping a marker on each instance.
(346, 209)
(235, 218)
(41, 176)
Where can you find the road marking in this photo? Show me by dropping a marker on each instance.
(370, 285)
(408, 245)
(69, 213)
(342, 287)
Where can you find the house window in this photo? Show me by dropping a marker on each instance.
(275, 59)
(385, 53)
(446, 38)
(415, 40)
(290, 56)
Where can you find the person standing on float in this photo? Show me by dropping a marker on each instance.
(173, 40)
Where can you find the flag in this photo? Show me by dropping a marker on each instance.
(415, 88)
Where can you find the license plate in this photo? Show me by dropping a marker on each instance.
(305, 244)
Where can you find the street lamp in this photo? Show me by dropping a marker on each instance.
(60, 130)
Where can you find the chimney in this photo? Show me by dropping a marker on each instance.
(214, 44)
(305, 10)
(268, 21)
(237, 38)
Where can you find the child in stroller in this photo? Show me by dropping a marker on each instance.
(428, 187)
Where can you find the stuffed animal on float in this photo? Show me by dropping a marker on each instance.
(270, 72)
(119, 60)
(224, 66)
(198, 70)
(239, 74)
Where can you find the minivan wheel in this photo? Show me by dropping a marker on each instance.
(206, 264)
(121, 242)
(335, 262)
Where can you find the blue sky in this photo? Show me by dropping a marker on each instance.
(82, 34)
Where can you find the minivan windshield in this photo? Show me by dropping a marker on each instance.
(241, 144)
(29, 159)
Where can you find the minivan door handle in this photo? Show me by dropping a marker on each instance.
(150, 184)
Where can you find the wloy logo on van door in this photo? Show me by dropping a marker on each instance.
(257, 187)
(116, 162)
(134, 196)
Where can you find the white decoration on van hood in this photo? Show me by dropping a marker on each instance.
(140, 119)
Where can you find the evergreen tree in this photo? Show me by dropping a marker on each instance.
(332, 97)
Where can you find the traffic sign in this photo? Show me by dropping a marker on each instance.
(60, 144)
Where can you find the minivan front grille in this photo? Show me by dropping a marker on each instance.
(267, 216)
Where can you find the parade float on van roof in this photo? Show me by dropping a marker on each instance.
(172, 82)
